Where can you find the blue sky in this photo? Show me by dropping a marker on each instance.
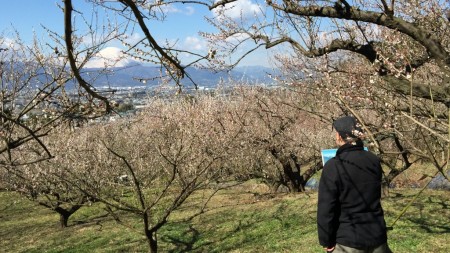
(183, 24)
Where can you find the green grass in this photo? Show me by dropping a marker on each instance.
(237, 220)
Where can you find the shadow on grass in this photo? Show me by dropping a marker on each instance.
(259, 229)
(92, 221)
(185, 242)
(429, 227)
(440, 202)
(429, 214)
(228, 235)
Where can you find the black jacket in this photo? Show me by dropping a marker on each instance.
(349, 210)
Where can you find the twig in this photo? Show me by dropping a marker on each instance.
(427, 128)
(410, 203)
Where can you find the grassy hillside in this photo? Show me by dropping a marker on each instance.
(242, 219)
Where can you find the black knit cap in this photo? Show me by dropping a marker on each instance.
(346, 126)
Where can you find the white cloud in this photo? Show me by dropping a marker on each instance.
(133, 38)
(171, 8)
(110, 57)
(189, 10)
(192, 43)
(244, 8)
(9, 44)
(237, 38)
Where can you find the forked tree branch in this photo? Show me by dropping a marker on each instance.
(68, 8)
(164, 56)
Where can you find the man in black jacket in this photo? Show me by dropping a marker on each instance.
(349, 216)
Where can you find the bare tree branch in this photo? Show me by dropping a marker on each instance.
(436, 50)
(70, 54)
(168, 61)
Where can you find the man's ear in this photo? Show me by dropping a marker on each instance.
(339, 139)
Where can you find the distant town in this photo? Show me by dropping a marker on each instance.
(130, 88)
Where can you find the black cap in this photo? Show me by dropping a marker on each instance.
(347, 126)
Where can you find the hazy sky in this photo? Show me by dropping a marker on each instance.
(182, 25)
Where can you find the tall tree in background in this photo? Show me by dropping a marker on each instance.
(388, 61)
(371, 29)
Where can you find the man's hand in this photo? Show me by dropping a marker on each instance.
(329, 249)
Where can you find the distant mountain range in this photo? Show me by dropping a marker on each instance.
(139, 75)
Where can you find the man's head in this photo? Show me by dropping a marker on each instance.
(348, 129)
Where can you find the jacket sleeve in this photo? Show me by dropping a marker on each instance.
(328, 208)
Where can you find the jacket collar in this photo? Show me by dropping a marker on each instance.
(350, 147)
